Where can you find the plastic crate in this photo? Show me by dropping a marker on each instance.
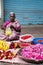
(38, 40)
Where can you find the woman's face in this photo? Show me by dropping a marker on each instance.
(12, 17)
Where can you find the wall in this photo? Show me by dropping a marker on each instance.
(0, 8)
(1, 12)
(27, 11)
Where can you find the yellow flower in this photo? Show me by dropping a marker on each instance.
(8, 31)
(4, 45)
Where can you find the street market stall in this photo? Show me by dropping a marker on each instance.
(21, 51)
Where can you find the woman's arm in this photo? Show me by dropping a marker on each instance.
(17, 28)
(2, 27)
(5, 24)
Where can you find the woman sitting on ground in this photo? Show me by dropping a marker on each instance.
(13, 26)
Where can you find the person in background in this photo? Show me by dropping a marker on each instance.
(14, 26)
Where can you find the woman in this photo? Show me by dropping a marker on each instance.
(14, 26)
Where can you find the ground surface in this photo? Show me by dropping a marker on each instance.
(35, 30)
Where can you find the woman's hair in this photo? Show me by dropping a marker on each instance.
(12, 13)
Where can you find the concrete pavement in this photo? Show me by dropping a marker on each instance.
(35, 30)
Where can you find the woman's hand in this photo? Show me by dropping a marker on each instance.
(12, 28)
